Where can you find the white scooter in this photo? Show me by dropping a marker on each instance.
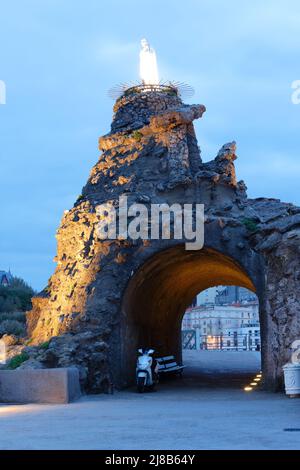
(144, 377)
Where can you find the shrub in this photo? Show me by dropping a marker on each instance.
(16, 297)
(12, 327)
(16, 361)
(132, 91)
(250, 224)
(18, 316)
(172, 92)
(137, 135)
(45, 345)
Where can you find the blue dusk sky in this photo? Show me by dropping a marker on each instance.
(59, 58)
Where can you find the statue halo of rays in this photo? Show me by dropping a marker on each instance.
(181, 89)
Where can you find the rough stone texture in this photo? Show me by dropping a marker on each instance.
(106, 298)
(12, 347)
(39, 386)
(278, 238)
(9, 340)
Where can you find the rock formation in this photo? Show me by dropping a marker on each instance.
(108, 297)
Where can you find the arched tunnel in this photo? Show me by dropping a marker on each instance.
(160, 291)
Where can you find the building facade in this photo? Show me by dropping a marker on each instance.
(233, 327)
(5, 278)
(233, 294)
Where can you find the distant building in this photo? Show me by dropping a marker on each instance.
(233, 294)
(194, 302)
(231, 327)
(207, 296)
(222, 295)
(5, 278)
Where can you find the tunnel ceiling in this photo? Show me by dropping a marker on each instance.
(165, 286)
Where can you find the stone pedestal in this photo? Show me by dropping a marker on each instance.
(39, 385)
(292, 380)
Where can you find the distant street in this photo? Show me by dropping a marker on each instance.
(206, 409)
(223, 361)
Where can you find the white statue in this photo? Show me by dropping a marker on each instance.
(148, 64)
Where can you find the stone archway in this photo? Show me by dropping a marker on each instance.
(160, 291)
(92, 312)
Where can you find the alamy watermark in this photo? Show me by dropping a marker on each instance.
(152, 222)
(2, 352)
(296, 93)
(2, 92)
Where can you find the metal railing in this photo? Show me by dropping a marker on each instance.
(191, 339)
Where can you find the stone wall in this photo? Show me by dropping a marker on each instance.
(277, 238)
(151, 155)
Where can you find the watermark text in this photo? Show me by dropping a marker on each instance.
(152, 222)
(2, 352)
(2, 92)
(296, 93)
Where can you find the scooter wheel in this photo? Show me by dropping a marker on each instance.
(141, 384)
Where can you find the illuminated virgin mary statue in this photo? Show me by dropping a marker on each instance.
(148, 64)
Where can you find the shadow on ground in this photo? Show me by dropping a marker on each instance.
(213, 370)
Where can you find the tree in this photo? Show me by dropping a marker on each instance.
(16, 296)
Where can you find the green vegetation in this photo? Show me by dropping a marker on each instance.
(137, 135)
(16, 297)
(172, 92)
(16, 316)
(12, 327)
(250, 224)
(45, 345)
(16, 361)
(15, 300)
(131, 91)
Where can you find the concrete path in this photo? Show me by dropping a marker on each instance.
(207, 409)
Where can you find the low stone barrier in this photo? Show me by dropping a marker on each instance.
(39, 385)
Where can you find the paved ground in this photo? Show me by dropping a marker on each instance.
(207, 409)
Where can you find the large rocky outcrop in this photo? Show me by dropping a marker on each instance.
(86, 317)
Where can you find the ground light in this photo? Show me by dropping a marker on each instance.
(6, 410)
(254, 383)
